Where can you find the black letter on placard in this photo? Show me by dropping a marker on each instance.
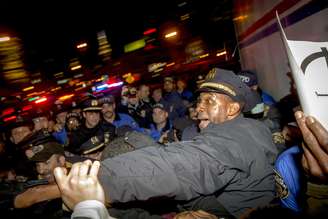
(321, 95)
(314, 56)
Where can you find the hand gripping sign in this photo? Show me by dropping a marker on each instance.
(309, 65)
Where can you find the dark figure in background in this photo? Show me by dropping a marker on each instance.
(185, 94)
(173, 99)
(265, 109)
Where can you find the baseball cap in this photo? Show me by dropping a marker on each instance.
(160, 106)
(170, 79)
(107, 99)
(228, 83)
(39, 112)
(248, 77)
(73, 115)
(132, 92)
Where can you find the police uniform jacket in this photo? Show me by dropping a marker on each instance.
(233, 160)
(84, 139)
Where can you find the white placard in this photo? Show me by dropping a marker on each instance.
(309, 65)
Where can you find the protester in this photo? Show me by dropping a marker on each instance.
(301, 171)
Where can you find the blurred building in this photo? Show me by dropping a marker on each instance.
(11, 60)
(104, 48)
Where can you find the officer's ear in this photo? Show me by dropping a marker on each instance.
(12, 139)
(234, 108)
(62, 160)
(84, 114)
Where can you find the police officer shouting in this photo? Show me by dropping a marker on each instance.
(232, 158)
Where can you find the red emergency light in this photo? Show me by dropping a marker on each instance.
(9, 118)
(26, 108)
(7, 112)
(150, 31)
(41, 100)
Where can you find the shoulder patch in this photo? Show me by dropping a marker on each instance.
(281, 188)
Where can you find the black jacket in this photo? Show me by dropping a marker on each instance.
(233, 160)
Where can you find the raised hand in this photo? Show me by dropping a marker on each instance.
(80, 184)
(315, 146)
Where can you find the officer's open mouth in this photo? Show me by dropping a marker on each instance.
(203, 123)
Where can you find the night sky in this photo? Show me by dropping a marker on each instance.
(51, 29)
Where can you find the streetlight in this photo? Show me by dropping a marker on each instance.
(76, 67)
(4, 39)
(172, 34)
(221, 53)
(82, 45)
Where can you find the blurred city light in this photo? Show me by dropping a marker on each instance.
(138, 44)
(26, 108)
(9, 118)
(204, 55)
(149, 31)
(4, 39)
(35, 81)
(76, 67)
(184, 17)
(59, 74)
(182, 4)
(41, 100)
(221, 53)
(65, 97)
(115, 84)
(33, 98)
(239, 18)
(172, 34)
(78, 76)
(28, 88)
(104, 47)
(12, 60)
(82, 45)
(32, 94)
(64, 81)
(55, 89)
(7, 111)
(170, 64)
(102, 86)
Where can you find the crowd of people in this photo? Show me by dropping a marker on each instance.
(224, 150)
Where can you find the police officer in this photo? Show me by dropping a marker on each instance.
(173, 98)
(115, 118)
(231, 158)
(20, 130)
(93, 133)
(265, 109)
(160, 128)
(41, 198)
